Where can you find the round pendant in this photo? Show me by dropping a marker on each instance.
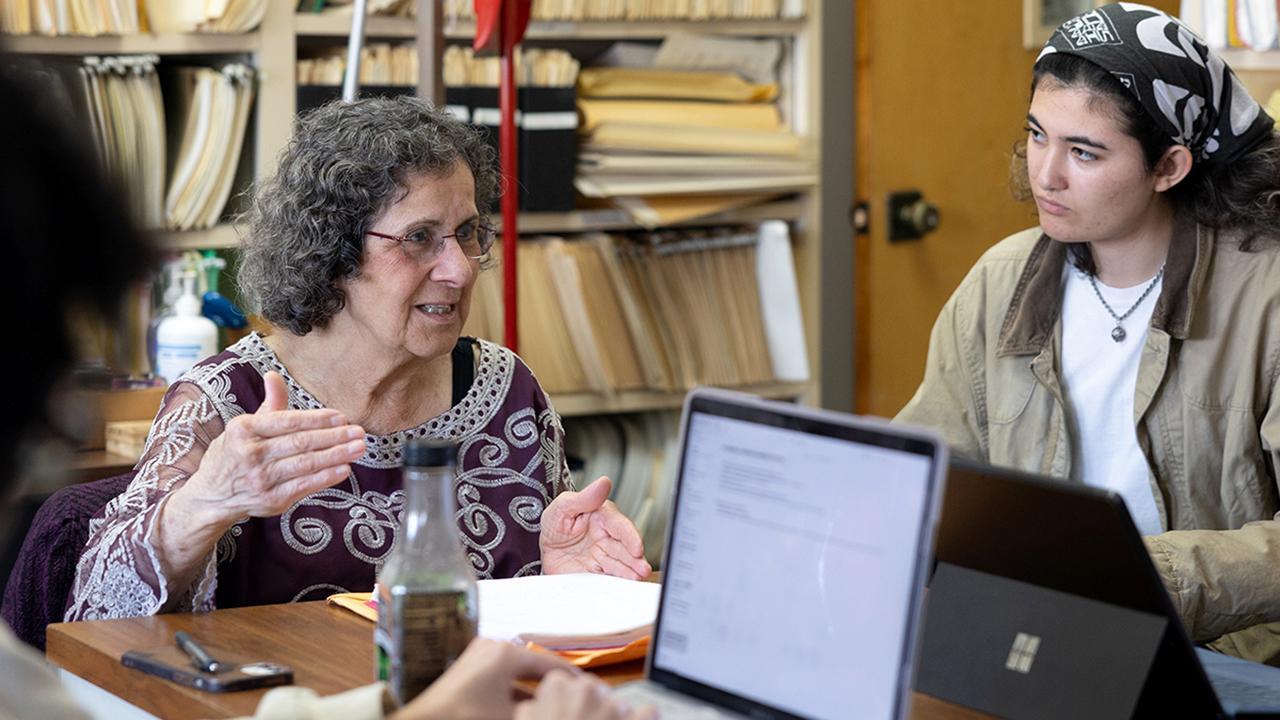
(1118, 334)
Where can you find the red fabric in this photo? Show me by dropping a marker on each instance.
(489, 23)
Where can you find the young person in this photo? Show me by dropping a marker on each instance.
(1132, 341)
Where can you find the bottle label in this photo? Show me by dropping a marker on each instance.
(173, 359)
(419, 635)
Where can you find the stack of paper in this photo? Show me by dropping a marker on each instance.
(604, 313)
(568, 612)
(389, 8)
(226, 16)
(554, 10)
(122, 98)
(380, 64)
(128, 17)
(172, 136)
(206, 138)
(590, 619)
(702, 120)
(551, 67)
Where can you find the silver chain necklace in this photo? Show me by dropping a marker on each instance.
(1117, 333)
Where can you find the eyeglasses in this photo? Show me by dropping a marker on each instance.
(475, 238)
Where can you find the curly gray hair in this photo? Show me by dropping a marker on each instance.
(345, 164)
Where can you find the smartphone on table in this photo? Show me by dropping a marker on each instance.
(232, 672)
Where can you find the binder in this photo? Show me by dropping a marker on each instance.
(548, 148)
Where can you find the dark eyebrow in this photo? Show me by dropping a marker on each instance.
(1074, 139)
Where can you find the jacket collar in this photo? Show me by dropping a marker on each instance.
(1037, 299)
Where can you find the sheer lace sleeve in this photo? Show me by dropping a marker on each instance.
(119, 573)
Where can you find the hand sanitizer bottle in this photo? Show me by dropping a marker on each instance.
(186, 337)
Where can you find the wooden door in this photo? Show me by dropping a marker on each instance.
(942, 93)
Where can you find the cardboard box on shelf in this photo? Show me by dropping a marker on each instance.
(108, 406)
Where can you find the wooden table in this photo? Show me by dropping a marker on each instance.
(329, 649)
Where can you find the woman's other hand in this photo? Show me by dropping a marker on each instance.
(480, 683)
(259, 466)
(585, 532)
(562, 696)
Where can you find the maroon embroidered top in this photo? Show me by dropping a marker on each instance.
(511, 463)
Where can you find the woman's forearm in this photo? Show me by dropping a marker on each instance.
(184, 534)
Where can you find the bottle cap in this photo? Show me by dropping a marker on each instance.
(429, 452)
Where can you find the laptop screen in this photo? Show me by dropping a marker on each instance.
(793, 561)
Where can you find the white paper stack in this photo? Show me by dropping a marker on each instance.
(563, 612)
(212, 118)
(126, 117)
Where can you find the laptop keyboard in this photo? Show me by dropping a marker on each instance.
(669, 706)
(1244, 694)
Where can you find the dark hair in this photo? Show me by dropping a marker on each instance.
(1241, 195)
(346, 163)
(69, 246)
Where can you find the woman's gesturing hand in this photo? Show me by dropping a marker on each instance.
(585, 532)
(265, 462)
(259, 466)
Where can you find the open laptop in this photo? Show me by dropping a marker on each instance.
(795, 559)
(1045, 603)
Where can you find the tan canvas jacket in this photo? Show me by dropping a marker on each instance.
(1207, 410)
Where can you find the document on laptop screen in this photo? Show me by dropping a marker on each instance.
(790, 572)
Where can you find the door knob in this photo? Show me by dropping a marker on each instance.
(911, 217)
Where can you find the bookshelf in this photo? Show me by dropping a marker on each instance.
(816, 70)
(219, 237)
(338, 25)
(1258, 70)
(611, 219)
(583, 404)
(641, 29)
(1251, 60)
(179, 44)
(269, 48)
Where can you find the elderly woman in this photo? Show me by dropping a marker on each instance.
(272, 470)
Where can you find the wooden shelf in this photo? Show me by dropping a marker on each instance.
(1251, 60)
(219, 237)
(180, 44)
(613, 219)
(575, 404)
(224, 236)
(339, 25)
(645, 29)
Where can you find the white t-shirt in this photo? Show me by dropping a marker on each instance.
(1099, 377)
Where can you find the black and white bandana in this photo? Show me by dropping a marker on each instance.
(1185, 87)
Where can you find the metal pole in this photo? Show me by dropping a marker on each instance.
(355, 43)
